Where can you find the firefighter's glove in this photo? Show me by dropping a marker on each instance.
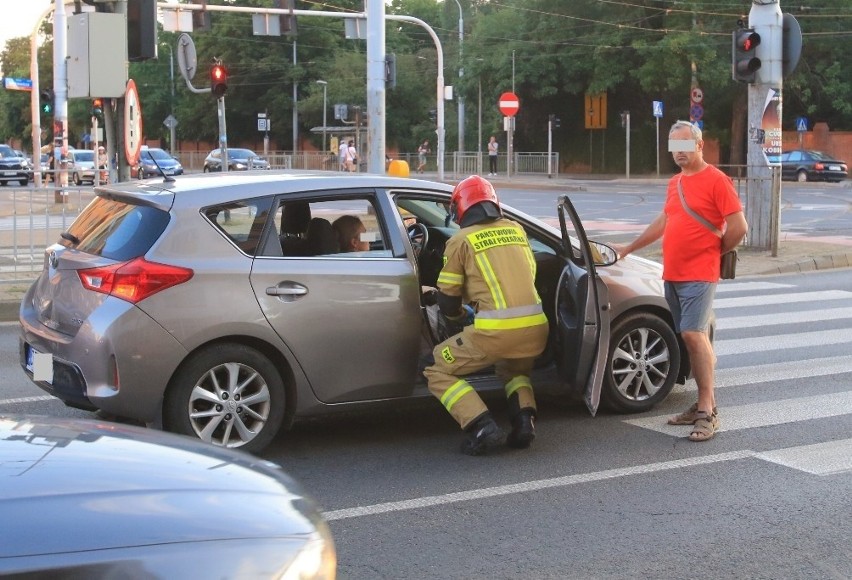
(469, 314)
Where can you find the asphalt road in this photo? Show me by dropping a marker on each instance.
(611, 496)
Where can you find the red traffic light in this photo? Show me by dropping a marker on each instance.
(97, 107)
(744, 60)
(218, 80)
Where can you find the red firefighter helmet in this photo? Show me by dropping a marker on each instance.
(469, 192)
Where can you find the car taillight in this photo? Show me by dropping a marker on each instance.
(134, 280)
(819, 166)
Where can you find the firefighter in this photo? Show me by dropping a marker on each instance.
(487, 295)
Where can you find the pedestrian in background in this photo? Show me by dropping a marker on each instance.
(422, 152)
(487, 295)
(691, 260)
(493, 148)
(351, 157)
(342, 153)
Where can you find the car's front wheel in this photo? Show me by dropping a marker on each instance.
(642, 364)
(229, 395)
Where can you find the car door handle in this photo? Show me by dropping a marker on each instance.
(296, 290)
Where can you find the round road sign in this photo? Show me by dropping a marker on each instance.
(132, 123)
(697, 95)
(509, 104)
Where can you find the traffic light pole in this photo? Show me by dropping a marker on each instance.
(763, 186)
(223, 133)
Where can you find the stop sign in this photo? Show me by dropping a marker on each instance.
(509, 104)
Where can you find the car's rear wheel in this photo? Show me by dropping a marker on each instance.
(229, 395)
(642, 363)
(802, 176)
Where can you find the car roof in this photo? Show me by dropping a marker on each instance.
(201, 189)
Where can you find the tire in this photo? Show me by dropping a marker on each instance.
(24, 182)
(802, 176)
(643, 362)
(220, 419)
(206, 169)
(77, 180)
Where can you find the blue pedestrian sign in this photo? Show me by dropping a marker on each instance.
(801, 124)
(658, 108)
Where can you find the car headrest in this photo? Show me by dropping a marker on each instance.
(295, 218)
(322, 239)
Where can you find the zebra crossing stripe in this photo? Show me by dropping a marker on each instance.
(749, 286)
(827, 458)
(761, 414)
(774, 372)
(767, 299)
(27, 400)
(782, 341)
(802, 316)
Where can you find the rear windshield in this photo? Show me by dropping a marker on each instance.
(84, 155)
(116, 230)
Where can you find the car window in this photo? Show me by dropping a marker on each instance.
(795, 156)
(158, 154)
(338, 228)
(116, 230)
(6, 151)
(84, 155)
(242, 222)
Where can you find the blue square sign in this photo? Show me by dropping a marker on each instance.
(658, 108)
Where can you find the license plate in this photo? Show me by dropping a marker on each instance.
(10, 173)
(40, 365)
(834, 168)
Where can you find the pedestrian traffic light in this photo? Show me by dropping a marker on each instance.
(218, 80)
(555, 122)
(433, 115)
(97, 107)
(46, 97)
(390, 71)
(745, 63)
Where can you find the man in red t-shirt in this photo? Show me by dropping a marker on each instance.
(691, 255)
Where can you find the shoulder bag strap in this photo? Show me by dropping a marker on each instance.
(697, 217)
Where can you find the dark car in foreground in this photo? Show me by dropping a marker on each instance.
(803, 165)
(238, 160)
(154, 162)
(221, 307)
(94, 499)
(13, 166)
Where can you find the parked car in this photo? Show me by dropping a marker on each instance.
(13, 167)
(93, 499)
(46, 169)
(157, 306)
(154, 162)
(802, 165)
(81, 165)
(238, 160)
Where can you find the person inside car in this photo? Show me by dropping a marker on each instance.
(349, 229)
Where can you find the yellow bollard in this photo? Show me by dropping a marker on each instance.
(398, 168)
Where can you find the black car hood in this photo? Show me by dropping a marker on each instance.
(74, 485)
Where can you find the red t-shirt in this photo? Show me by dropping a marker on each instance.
(691, 252)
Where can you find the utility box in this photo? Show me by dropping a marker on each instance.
(97, 55)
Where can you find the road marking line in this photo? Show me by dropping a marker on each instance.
(761, 414)
(750, 286)
(828, 458)
(782, 318)
(794, 369)
(821, 459)
(524, 487)
(27, 400)
(767, 299)
(782, 341)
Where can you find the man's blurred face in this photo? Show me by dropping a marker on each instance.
(685, 150)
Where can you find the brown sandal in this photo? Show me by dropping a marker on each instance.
(705, 426)
(688, 417)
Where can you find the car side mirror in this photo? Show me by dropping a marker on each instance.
(603, 254)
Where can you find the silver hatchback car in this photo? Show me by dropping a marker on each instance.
(222, 306)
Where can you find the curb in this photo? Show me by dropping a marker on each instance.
(827, 262)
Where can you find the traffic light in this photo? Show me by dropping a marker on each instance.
(390, 71)
(218, 80)
(745, 63)
(46, 98)
(555, 122)
(433, 115)
(97, 107)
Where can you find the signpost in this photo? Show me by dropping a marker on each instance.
(509, 105)
(658, 112)
(132, 123)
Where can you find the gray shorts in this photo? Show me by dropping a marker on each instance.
(691, 304)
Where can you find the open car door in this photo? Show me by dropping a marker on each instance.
(582, 311)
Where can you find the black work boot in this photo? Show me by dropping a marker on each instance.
(523, 429)
(482, 435)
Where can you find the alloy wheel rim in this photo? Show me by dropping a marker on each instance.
(641, 362)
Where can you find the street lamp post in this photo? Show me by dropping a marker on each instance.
(324, 107)
(172, 121)
(461, 74)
